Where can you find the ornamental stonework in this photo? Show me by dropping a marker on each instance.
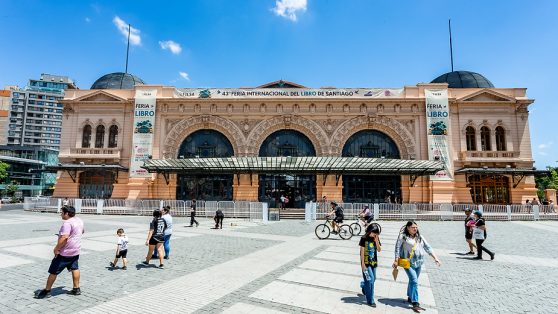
(393, 128)
(185, 127)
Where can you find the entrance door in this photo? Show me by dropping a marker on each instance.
(96, 184)
(298, 189)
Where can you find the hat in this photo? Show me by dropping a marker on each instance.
(478, 213)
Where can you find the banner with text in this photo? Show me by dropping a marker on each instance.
(225, 93)
(142, 140)
(437, 124)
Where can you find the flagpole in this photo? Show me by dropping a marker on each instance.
(451, 45)
(127, 53)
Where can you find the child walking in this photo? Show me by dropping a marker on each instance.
(369, 247)
(121, 249)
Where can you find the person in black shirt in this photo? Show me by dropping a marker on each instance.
(469, 224)
(338, 219)
(156, 237)
(219, 216)
(369, 248)
(193, 214)
(480, 224)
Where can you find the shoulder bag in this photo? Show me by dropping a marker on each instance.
(406, 262)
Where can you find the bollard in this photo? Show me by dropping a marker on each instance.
(59, 206)
(508, 210)
(100, 204)
(77, 205)
(536, 212)
(376, 211)
(265, 212)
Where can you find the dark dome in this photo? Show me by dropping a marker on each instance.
(117, 80)
(464, 79)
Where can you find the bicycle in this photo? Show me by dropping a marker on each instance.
(323, 230)
(359, 225)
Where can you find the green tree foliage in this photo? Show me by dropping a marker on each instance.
(3, 171)
(547, 182)
(11, 189)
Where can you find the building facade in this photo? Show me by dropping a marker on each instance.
(480, 132)
(35, 117)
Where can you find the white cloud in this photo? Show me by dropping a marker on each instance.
(135, 38)
(174, 47)
(184, 75)
(544, 145)
(289, 8)
(87, 19)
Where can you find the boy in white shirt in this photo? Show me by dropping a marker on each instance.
(121, 249)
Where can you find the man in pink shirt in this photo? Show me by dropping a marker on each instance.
(66, 252)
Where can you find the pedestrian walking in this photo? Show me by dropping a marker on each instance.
(479, 234)
(168, 232)
(410, 249)
(193, 214)
(66, 252)
(283, 201)
(219, 216)
(121, 249)
(369, 247)
(65, 202)
(155, 237)
(469, 225)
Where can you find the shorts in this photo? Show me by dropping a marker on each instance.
(122, 254)
(338, 220)
(154, 241)
(468, 235)
(369, 219)
(60, 262)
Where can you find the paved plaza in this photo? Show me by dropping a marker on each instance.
(277, 267)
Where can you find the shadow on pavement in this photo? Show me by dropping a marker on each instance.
(54, 291)
(141, 265)
(395, 302)
(355, 300)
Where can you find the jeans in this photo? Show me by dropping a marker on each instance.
(412, 288)
(369, 284)
(166, 245)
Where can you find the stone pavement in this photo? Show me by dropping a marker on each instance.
(279, 267)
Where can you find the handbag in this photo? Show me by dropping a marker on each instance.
(406, 262)
(478, 234)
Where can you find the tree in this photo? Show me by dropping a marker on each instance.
(11, 190)
(3, 170)
(547, 182)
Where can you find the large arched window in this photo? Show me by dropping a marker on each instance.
(485, 138)
(205, 186)
(113, 136)
(471, 138)
(500, 139)
(299, 189)
(86, 137)
(100, 136)
(371, 188)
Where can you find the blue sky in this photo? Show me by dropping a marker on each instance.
(342, 43)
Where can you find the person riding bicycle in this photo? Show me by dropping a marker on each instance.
(366, 215)
(338, 212)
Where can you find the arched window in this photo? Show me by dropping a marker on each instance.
(500, 139)
(485, 138)
(113, 136)
(86, 137)
(100, 136)
(471, 138)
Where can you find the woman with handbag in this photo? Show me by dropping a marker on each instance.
(479, 234)
(410, 250)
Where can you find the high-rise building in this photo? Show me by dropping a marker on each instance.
(5, 100)
(36, 112)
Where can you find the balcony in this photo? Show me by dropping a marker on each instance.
(90, 153)
(489, 156)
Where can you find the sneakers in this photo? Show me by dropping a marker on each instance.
(43, 294)
(112, 264)
(124, 268)
(470, 253)
(416, 307)
(492, 256)
(166, 257)
(373, 305)
(75, 291)
(145, 263)
(197, 224)
(161, 266)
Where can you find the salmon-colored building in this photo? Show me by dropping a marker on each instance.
(481, 137)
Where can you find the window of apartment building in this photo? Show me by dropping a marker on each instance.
(485, 138)
(500, 139)
(100, 136)
(113, 136)
(86, 137)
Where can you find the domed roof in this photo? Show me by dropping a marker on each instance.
(464, 79)
(117, 80)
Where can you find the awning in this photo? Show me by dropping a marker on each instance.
(294, 166)
(511, 171)
(72, 169)
(84, 167)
